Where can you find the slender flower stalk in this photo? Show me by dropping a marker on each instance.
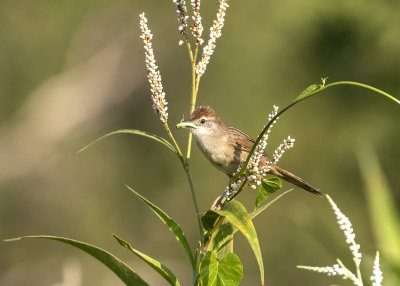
(357, 280)
(153, 74)
(154, 77)
(197, 27)
(215, 33)
(233, 188)
(253, 167)
(377, 276)
(335, 270)
(198, 68)
(340, 269)
(158, 96)
(182, 15)
(255, 158)
(286, 145)
(346, 226)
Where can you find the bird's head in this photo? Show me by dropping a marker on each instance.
(203, 122)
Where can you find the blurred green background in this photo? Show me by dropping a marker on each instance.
(71, 71)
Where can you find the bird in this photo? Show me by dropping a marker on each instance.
(226, 147)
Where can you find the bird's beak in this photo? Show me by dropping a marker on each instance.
(186, 124)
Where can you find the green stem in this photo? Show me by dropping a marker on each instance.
(364, 86)
(359, 273)
(305, 94)
(185, 166)
(189, 47)
(239, 190)
(189, 146)
(174, 141)
(318, 89)
(193, 58)
(195, 87)
(189, 176)
(350, 275)
(196, 205)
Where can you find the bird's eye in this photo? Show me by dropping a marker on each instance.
(203, 121)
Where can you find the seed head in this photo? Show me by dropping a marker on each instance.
(153, 74)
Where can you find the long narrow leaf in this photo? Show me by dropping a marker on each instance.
(135, 132)
(172, 225)
(262, 208)
(224, 234)
(381, 203)
(123, 271)
(238, 216)
(157, 266)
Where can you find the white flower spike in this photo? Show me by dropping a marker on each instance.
(153, 74)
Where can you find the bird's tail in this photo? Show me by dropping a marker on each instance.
(291, 178)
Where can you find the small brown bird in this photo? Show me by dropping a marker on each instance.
(225, 146)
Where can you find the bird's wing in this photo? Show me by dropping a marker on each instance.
(243, 142)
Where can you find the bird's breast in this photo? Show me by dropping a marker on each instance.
(220, 153)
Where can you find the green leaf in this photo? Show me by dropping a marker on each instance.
(172, 225)
(157, 266)
(123, 271)
(381, 204)
(222, 240)
(308, 91)
(238, 216)
(230, 269)
(259, 210)
(226, 272)
(135, 132)
(208, 269)
(209, 219)
(267, 188)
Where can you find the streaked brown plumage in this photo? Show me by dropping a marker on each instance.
(224, 146)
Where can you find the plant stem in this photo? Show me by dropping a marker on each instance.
(196, 205)
(364, 86)
(173, 140)
(193, 59)
(189, 47)
(194, 96)
(185, 166)
(350, 275)
(359, 273)
(189, 176)
(319, 89)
